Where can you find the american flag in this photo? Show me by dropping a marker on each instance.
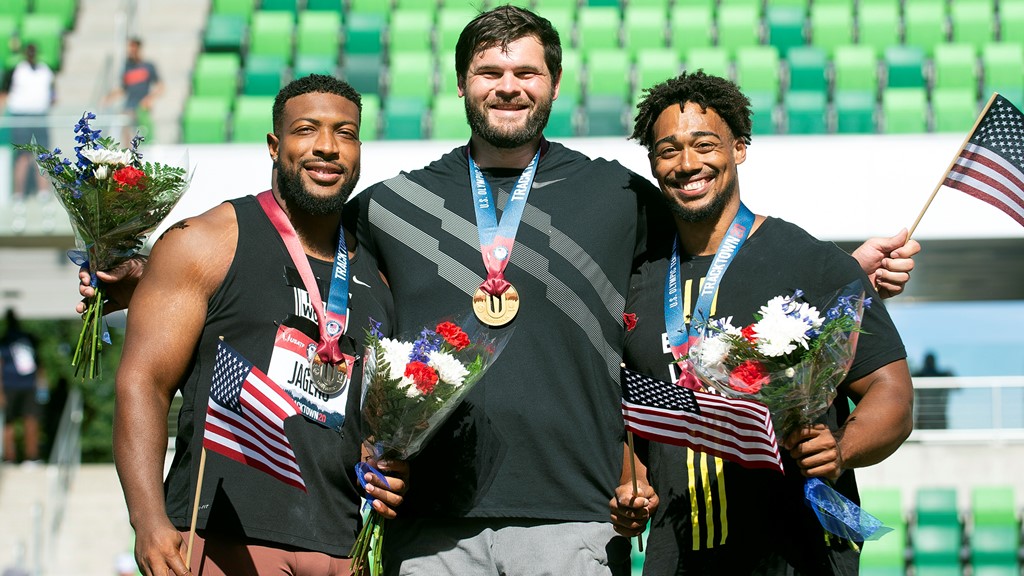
(733, 429)
(991, 165)
(245, 418)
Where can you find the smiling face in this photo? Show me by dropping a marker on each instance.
(316, 152)
(694, 159)
(509, 93)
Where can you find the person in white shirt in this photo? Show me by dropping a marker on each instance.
(28, 95)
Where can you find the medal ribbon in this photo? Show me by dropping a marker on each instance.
(497, 239)
(332, 319)
(681, 334)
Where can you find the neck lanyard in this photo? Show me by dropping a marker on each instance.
(332, 319)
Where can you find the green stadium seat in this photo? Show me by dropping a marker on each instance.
(8, 29)
(47, 32)
(262, 75)
(450, 22)
(751, 3)
(691, 27)
(428, 5)
(363, 72)
(604, 115)
(855, 68)
(738, 26)
(15, 9)
(785, 27)
(325, 6)
(884, 503)
(803, 5)
(904, 67)
(1011, 21)
(993, 505)
(757, 70)
(448, 80)
(448, 119)
(924, 24)
(564, 21)
(216, 75)
(364, 33)
(878, 24)
(243, 8)
(403, 118)
(205, 120)
(412, 76)
(806, 112)
(936, 547)
(660, 4)
(831, 26)
(562, 122)
(369, 124)
(807, 65)
(224, 33)
(410, 31)
(996, 570)
(369, 7)
(995, 545)
(644, 29)
(542, 7)
(762, 106)
(972, 22)
(844, 3)
(955, 66)
(571, 86)
(886, 553)
(654, 66)
(317, 34)
(63, 9)
(690, 4)
(954, 109)
(711, 59)
(855, 112)
(306, 64)
(607, 3)
(290, 6)
(606, 71)
(1003, 70)
(598, 28)
(252, 119)
(936, 505)
(271, 34)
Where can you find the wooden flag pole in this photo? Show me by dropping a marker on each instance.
(950, 167)
(195, 509)
(632, 472)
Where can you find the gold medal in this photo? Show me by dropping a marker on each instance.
(496, 311)
(328, 378)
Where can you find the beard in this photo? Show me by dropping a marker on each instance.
(294, 192)
(502, 136)
(710, 211)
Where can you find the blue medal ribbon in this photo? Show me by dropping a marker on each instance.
(81, 258)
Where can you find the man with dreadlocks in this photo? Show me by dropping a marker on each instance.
(717, 517)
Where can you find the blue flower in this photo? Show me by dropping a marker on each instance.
(375, 329)
(429, 341)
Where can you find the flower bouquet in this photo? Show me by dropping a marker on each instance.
(113, 200)
(792, 359)
(410, 386)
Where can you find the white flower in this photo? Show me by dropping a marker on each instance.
(396, 353)
(713, 350)
(101, 172)
(448, 368)
(411, 391)
(104, 156)
(778, 335)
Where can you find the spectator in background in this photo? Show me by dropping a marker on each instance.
(28, 96)
(930, 413)
(23, 381)
(140, 85)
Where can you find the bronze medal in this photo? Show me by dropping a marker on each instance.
(328, 378)
(496, 311)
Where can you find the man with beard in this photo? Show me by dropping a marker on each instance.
(534, 237)
(256, 272)
(717, 517)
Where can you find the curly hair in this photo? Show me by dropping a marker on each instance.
(502, 26)
(314, 84)
(702, 89)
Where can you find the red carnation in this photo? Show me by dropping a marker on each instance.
(453, 335)
(748, 333)
(748, 378)
(630, 320)
(128, 176)
(424, 376)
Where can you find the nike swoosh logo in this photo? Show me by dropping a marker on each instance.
(543, 184)
(360, 282)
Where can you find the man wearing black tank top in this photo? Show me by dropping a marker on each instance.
(228, 273)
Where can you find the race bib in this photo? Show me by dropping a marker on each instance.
(290, 368)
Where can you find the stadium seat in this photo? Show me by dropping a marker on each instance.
(785, 27)
(364, 72)
(15, 9)
(993, 505)
(884, 503)
(205, 120)
(738, 26)
(63, 9)
(262, 75)
(711, 59)
(644, 29)
(562, 122)
(543, 6)
(955, 66)
(597, 28)
(564, 21)
(448, 119)
(243, 8)
(604, 116)
(369, 7)
(606, 3)
(762, 106)
(428, 5)
(325, 6)
(954, 109)
(403, 118)
(216, 75)
(252, 119)
(654, 66)
(364, 33)
(224, 33)
(1003, 70)
(412, 76)
(571, 87)
(691, 27)
(831, 26)
(972, 22)
(904, 67)
(1011, 21)
(369, 123)
(855, 112)
(660, 4)
(995, 546)
(8, 28)
(290, 6)
(694, 4)
(45, 31)
(271, 34)
(757, 70)
(317, 34)
(450, 22)
(410, 31)
(855, 69)
(608, 73)
(806, 112)
(924, 24)
(885, 555)
(807, 65)
(936, 547)
(311, 64)
(878, 24)
(936, 505)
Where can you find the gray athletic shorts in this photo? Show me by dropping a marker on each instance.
(503, 547)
